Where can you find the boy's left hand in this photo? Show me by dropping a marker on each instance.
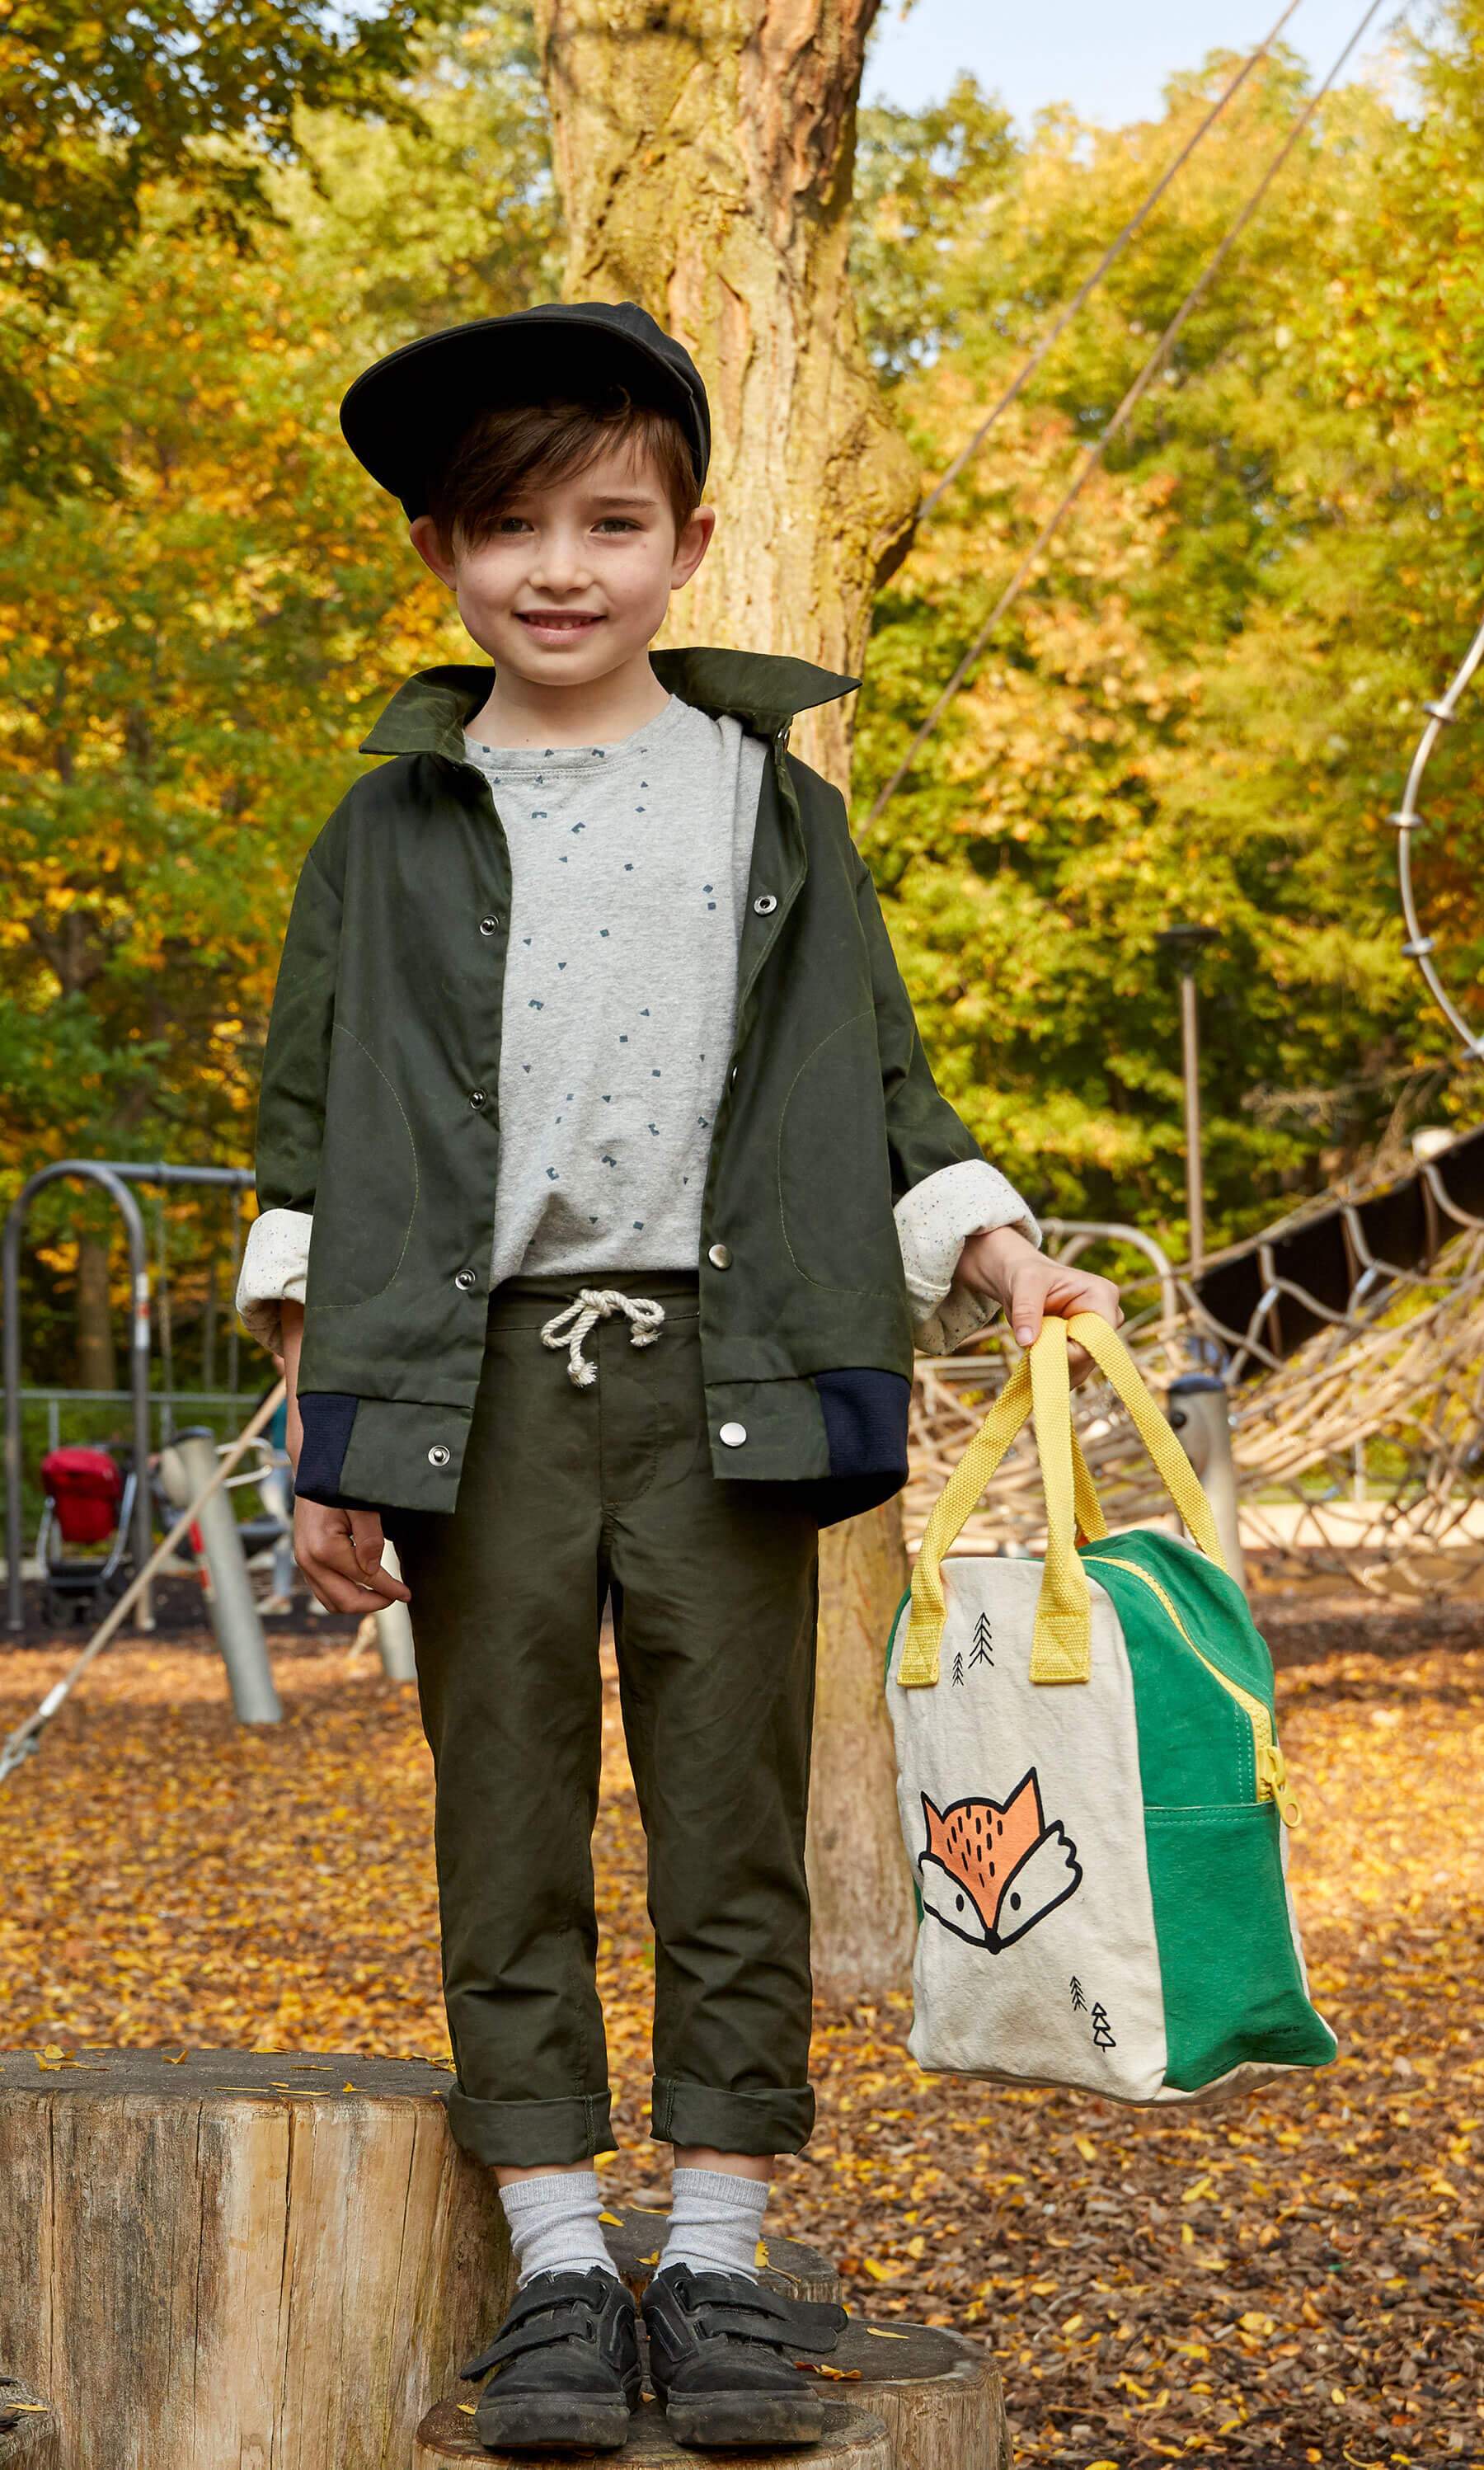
(1027, 1285)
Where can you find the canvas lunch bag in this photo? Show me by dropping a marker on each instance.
(1090, 1784)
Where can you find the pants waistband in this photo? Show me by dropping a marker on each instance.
(530, 1298)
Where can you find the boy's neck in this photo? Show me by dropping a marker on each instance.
(597, 711)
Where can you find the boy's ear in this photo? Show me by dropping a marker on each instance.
(423, 534)
(691, 546)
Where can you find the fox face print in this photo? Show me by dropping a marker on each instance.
(990, 1869)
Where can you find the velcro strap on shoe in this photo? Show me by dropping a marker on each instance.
(724, 2303)
(535, 2322)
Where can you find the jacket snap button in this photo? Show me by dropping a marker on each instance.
(734, 1434)
(465, 1279)
(477, 1097)
(765, 904)
(489, 925)
(720, 1256)
(437, 1455)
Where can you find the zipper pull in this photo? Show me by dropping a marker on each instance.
(1273, 1775)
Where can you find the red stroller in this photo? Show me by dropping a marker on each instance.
(90, 1501)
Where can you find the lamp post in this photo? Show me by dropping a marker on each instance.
(1186, 942)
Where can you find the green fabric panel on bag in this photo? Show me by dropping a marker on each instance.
(1194, 1741)
(1211, 1607)
(1230, 1979)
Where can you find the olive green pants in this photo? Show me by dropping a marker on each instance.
(569, 1495)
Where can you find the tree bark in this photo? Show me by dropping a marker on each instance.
(97, 1363)
(704, 151)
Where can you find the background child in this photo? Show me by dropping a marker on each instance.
(592, 1073)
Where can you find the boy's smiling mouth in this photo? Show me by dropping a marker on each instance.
(558, 621)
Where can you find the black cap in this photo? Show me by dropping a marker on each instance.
(406, 413)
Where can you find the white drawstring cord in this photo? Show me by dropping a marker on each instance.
(594, 1304)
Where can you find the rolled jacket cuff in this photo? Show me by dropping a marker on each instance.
(532, 2134)
(779, 2120)
(933, 1221)
(275, 1264)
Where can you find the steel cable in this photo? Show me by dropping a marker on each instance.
(1110, 258)
(1096, 453)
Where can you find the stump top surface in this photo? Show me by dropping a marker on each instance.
(850, 2432)
(890, 2352)
(273, 2075)
(637, 2236)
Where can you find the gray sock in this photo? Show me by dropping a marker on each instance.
(555, 2224)
(715, 2221)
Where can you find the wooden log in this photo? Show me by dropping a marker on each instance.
(244, 2260)
(634, 2238)
(936, 2393)
(30, 2438)
(853, 2439)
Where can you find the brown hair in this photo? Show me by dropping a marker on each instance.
(516, 445)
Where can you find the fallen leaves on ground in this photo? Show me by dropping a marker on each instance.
(1294, 2278)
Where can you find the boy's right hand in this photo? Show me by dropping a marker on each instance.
(339, 1551)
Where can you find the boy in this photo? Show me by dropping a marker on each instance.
(592, 1072)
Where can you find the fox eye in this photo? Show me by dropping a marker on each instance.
(1014, 1903)
(959, 1902)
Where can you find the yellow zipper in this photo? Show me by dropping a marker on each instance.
(1271, 1772)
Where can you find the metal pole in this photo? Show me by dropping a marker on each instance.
(1194, 1169)
(1199, 1413)
(138, 1259)
(186, 1467)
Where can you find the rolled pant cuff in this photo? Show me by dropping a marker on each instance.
(525, 2135)
(779, 2121)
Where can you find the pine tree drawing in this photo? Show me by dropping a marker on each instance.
(983, 1650)
(1102, 2030)
(958, 1671)
(1079, 2002)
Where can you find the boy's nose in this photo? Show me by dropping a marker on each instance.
(560, 567)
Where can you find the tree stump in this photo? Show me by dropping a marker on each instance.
(936, 2393)
(853, 2439)
(244, 2260)
(30, 2438)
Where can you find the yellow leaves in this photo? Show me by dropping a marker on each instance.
(612, 2220)
(760, 2255)
(1085, 2145)
(879, 2333)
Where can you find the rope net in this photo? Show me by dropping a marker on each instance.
(1350, 1340)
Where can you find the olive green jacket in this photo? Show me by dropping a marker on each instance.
(387, 1018)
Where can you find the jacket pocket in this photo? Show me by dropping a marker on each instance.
(834, 1173)
(368, 1181)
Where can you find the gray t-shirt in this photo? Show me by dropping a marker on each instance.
(630, 867)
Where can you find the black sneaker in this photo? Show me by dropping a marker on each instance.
(721, 2358)
(567, 2367)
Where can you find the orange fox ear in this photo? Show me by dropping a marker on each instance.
(936, 1831)
(1028, 1787)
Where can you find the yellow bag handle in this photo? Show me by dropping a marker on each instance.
(1062, 1646)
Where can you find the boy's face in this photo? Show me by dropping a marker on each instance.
(576, 575)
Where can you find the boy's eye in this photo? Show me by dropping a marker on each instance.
(622, 521)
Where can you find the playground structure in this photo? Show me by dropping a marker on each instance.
(1349, 1340)
(116, 1177)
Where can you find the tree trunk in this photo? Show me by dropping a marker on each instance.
(243, 2258)
(97, 1365)
(704, 151)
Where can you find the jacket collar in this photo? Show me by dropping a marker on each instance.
(762, 690)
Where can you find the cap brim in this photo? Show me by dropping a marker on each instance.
(403, 416)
